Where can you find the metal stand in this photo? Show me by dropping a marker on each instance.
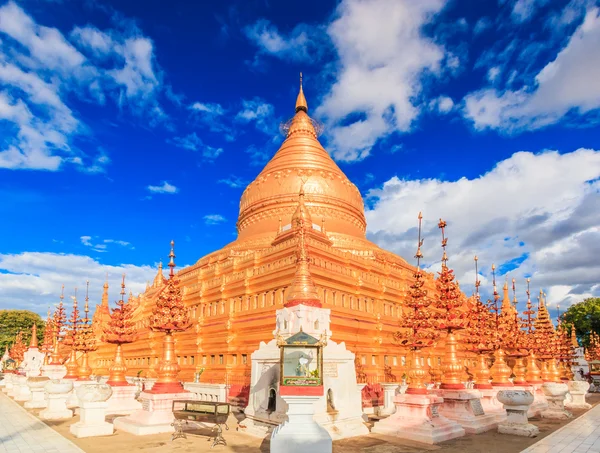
(217, 430)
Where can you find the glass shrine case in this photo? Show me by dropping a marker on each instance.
(301, 360)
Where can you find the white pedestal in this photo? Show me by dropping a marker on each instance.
(516, 403)
(155, 416)
(389, 393)
(57, 407)
(15, 388)
(578, 390)
(491, 405)
(21, 391)
(540, 403)
(123, 400)
(464, 407)
(73, 400)
(38, 399)
(300, 433)
(555, 395)
(54, 371)
(7, 382)
(417, 418)
(92, 420)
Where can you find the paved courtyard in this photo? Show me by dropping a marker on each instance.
(22, 432)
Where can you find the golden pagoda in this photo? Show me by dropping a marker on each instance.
(232, 293)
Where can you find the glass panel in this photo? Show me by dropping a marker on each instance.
(299, 362)
(223, 409)
(202, 408)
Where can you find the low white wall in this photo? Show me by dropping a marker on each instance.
(207, 392)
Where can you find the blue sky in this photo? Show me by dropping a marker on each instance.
(127, 124)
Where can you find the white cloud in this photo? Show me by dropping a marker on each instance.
(442, 104)
(214, 219)
(234, 182)
(193, 143)
(382, 57)
(260, 113)
(567, 85)
(165, 187)
(482, 25)
(493, 73)
(539, 212)
(300, 45)
(41, 73)
(32, 280)
(523, 10)
(86, 240)
(215, 109)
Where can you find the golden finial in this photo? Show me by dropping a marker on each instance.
(123, 288)
(34, 340)
(301, 100)
(442, 226)
(419, 254)
(172, 260)
(86, 307)
(477, 282)
(62, 293)
(496, 295)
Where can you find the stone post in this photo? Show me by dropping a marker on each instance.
(300, 433)
(92, 411)
(578, 390)
(57, 390)
(389, 393)
(555, 395)
(516, 403)
(21, 390)
(38, 394)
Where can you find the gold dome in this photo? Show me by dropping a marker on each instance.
(301, 163)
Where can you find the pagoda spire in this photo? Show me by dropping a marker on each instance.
(34, 340)
(574, 341)
(104, 302)
(506, 306)
(160, 278)
(301, 103)
(301, 218)
(302, 290)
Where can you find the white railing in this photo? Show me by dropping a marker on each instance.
(207, 392)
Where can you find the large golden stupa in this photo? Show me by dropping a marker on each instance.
(233, 293)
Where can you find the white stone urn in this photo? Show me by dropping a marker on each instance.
(578, 390)
(555, 393)
(515, 397)
(516, 403)
(94, 393)
(92, 411)
(36, 386)
(57, 391)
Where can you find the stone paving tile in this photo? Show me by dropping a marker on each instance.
(580, 436)
(21, 432)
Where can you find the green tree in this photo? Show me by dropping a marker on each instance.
(11, 321)
(585, 316)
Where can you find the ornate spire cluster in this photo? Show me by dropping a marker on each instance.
(48, 342)
(120, 328)
(448, 304)
(479, 333)
(169, 313)
(593, 350)
(85, 339)
(417, 318)
(73, 322)
(17, 351)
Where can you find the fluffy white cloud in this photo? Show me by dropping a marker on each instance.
(32, 280)
(165, 187)
(300, 45)
(524, 9)
(41, 71)
(234, 182)
(193, 143)
(442, 104)
(260, 113)
(382, 56)
(568, 85)
(214, 219)
(535, 213)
